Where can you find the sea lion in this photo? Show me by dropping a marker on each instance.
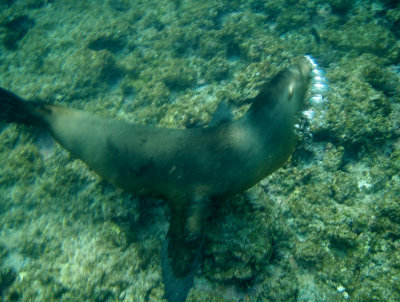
(190, 168)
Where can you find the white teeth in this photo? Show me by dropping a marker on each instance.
(311, 60)
(317, 72)
(316, 111)
(319, 79)
(319, 84)
(319, 89)
(309, 113)
(317, 99)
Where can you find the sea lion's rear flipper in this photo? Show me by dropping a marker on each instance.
(182, 249)
(14, 109)
(179, 262)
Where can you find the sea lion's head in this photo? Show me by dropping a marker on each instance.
(285, 94)
(291, 85)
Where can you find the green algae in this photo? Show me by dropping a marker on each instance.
(15, 30)
(326, 226)
(238, 252)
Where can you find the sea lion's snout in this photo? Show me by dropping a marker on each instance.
(301, 74)
(305, 68)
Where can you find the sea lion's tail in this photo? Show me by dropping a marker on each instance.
(14, 109)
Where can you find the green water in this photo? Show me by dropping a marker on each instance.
(325, 227)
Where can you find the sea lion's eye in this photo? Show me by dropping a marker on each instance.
(291, 90)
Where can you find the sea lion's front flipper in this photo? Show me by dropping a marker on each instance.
(182, 248)
(223, 114)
